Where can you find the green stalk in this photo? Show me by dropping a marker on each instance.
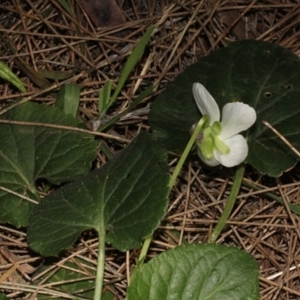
(187, 150)
(100, 265)
(178, 167)
(144, 251)
(237, 182)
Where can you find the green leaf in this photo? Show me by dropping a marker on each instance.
(104, 96)
(132, 61)
(28, 153)
(107, 295)
(66, 6)
(261, 74)
(9, 47)
(3, 297)
(68, 99)
(207, 271)
(127, 197)
(57, 75)
(8, 75)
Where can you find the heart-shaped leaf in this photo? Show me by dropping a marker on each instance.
(261, 74)
(127, 197)
(206, 271)
(28, 153)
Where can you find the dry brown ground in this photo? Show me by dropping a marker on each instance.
(44, 36)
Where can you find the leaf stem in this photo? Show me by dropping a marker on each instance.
(100, 266)
(237, 181)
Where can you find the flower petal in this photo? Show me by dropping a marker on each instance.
(238, 152)
(236, 117)
(206, 103)
(212, 163)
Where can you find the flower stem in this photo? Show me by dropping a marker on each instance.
(187, 150)
(237, 181)
(178, 167)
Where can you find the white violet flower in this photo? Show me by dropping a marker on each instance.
(219, 141)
